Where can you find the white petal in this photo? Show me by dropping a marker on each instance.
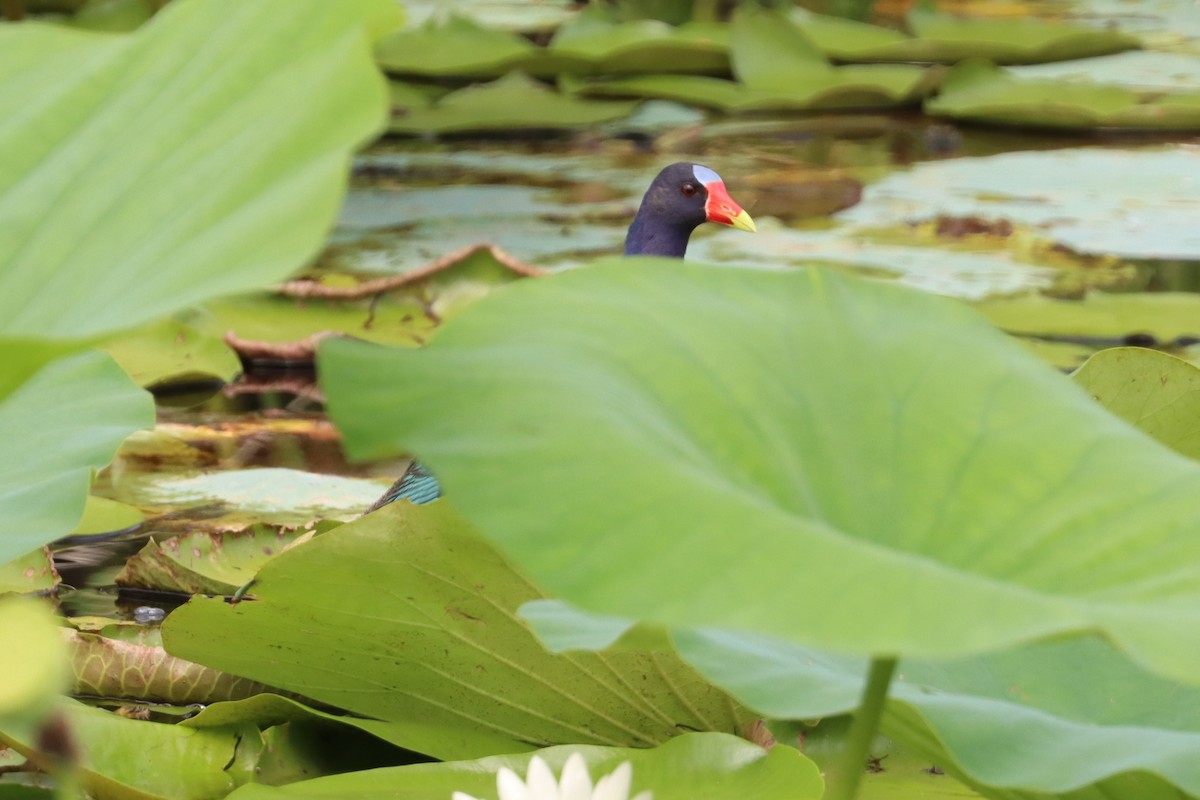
(646, 795)
(510, 787)
(462, 796)
(615, 786)
(540, 780)
(576, 784)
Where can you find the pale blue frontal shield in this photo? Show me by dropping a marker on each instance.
(705, 175)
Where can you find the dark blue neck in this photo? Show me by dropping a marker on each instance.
(652, 237)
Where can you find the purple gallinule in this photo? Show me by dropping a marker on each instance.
(682, 197)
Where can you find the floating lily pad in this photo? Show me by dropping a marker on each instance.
(709, 765)
(642, 45)
(32, 573)
(266, 709)
(947, 39)
(456, 46)
(1129, 203)
(407, 616)
(168, 351)
(514, 102)
(1167, 316)
(1154, 391)
(266, 317)
(777, 68)
(206, 563)
(1143, 71)
(982, 92)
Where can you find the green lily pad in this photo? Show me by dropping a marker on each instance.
(982, 92)
(514, 102)
(778, 68)
(32, 573)
(206, 563)
(456, 46)
(1129, 203)
(265, 709)
(61, 424)
(399, 318)
(709, 765)
(909, 477)
(257, 157)
(1139, 70)
(1167, 316)
(644, 45)
(439, 653)
(947, 39)
(1154, 391)
(168, 350)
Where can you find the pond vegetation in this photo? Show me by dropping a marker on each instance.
(906, 480)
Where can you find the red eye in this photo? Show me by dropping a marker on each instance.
(688, 190)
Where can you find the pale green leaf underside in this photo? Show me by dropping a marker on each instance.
(698, 446)
(1090, 723)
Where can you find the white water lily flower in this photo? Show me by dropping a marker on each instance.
(576, 783)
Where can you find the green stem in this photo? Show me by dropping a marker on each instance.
(843, 784)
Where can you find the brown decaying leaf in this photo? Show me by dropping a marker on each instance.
(303, 350)
(306, 287)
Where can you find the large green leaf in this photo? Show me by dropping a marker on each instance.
(138, 180)
(961, 714)
(709, 765)
(699, 446)
(408, 616)
(1155, 391)
(60, 425)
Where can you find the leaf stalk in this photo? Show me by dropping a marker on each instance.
(843, 783)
